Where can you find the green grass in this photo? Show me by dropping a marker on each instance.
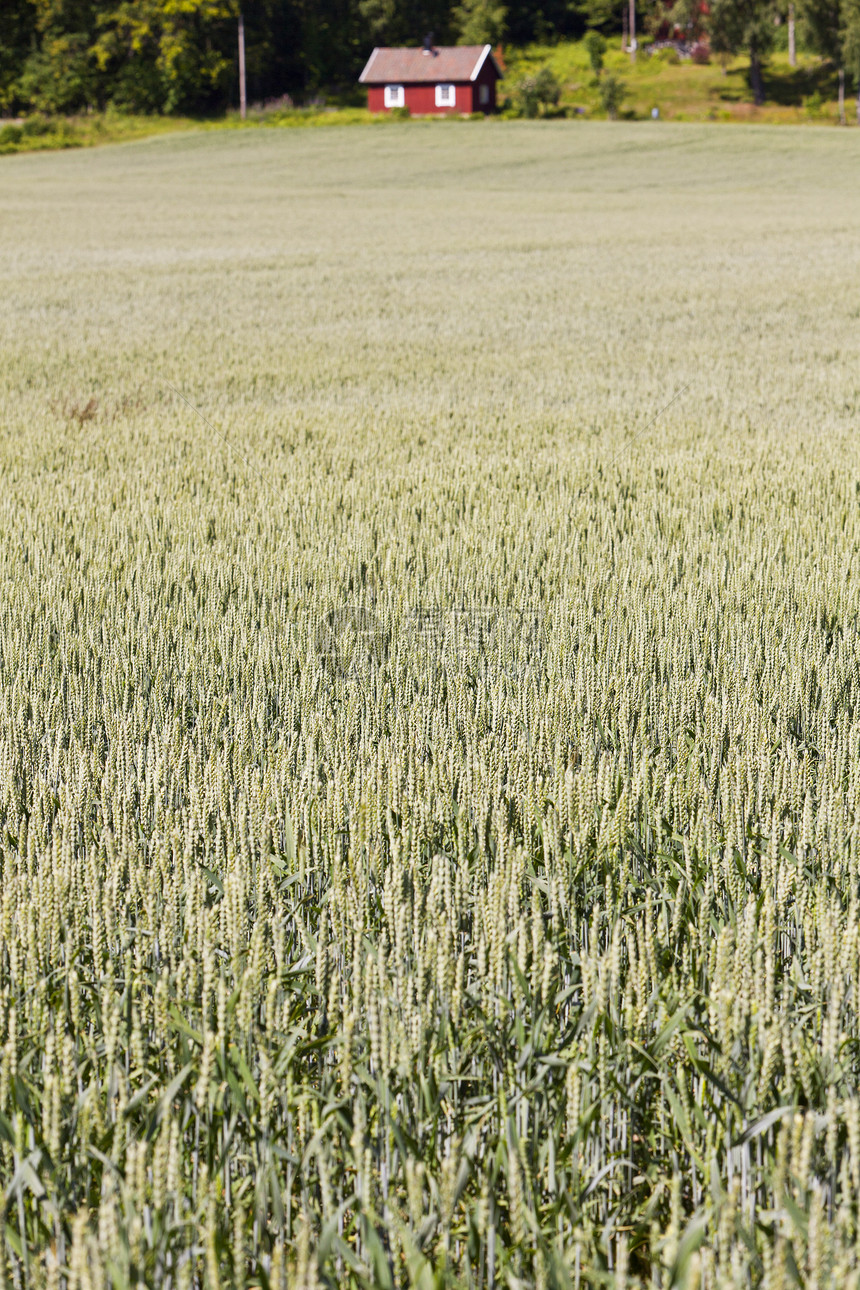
(310, 116)
(429, 804)
(684, 91)
(39, 134)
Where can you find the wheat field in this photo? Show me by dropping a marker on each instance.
(430, 689)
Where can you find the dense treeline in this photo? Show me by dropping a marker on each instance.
(60, 56)
(180, 55)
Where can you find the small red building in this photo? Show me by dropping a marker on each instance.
(432, 81)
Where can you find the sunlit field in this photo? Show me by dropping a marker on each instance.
(430, 689)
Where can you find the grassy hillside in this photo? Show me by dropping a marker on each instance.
(684, 91)
(429, 805)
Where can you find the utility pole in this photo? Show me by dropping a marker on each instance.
(841, 95)
(792, 49)
(633, 31)
(624, 27)
(243, 98)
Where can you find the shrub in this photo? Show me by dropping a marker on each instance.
(612, 92)
(273, 107)
(36, 125)
(525, 97)
(60, 76)
(539, 90)
(549, 90)
(595, 45)
(400, 113)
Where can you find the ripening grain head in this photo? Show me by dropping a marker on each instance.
(428, 780)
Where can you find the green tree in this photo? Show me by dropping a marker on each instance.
(821, 22)
(479, 22)
(379, 15)
(127, 52)
(60, 73)
(595, 45)
(17, 32)
(686, 15)
(744, 25)
(832, 29)
(400, 22)
(541, 89)
(612, 93)
(850, 30)
(601, 15)
(167, 54)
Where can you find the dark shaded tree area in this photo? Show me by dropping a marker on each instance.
(62, 56)
(180, 55)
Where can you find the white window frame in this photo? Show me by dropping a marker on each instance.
(395, 96)
(443, 100)
(483, 95)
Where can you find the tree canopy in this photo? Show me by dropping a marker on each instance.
(180, 55)
(62, 56)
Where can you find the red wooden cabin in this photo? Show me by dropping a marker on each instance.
(432, 81)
